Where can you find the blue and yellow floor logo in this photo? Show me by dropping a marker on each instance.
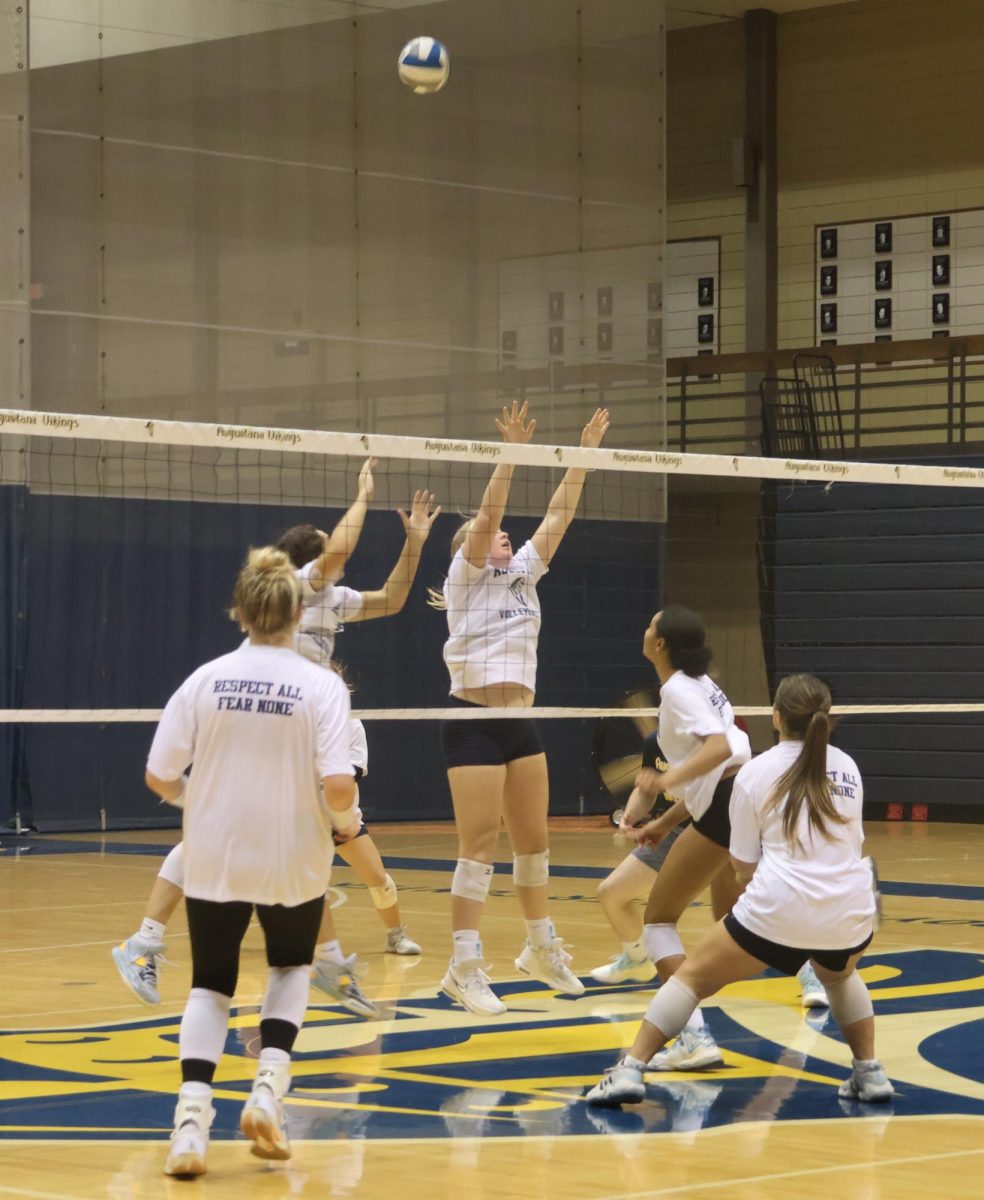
(432, 1070)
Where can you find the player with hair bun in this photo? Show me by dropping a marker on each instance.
(497, 770)
(796, 847)
(268, 735)
(704, 749)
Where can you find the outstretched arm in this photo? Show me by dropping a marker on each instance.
(478, 544)
(564, 502)
(392, 596)
(341, 543)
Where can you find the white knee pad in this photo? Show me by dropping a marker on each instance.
(172, 868)
(286, 994)
(385, 896)
(471, 880)
(661, 941)
(672, 1007)
(531, 870)
(849, 1000)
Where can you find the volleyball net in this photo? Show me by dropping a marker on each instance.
(120, 540)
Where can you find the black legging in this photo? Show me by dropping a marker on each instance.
(217, 931)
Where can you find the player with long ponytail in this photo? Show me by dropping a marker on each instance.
(796, 846)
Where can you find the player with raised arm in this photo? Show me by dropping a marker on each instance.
(319, 560)
(497, 770)
(268, 734)
(796, 848)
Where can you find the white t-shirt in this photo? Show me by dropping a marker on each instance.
(263, 728)
(814, 894)
(493, 621)
(322, 615)
(691, 710)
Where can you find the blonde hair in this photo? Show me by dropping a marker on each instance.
(803, 705)
(266, 596)
(435, 596)
(460, 534)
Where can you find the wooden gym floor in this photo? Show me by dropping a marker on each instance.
(432, 1101)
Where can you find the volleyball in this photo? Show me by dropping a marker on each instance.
(424, 65)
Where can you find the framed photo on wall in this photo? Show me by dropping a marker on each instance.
(828, 281)
(828, 243)
(828, 318)
(941, 308)
(705, 328)
(705, 291)
(941, 270)
(883, 314)
(941, 231)
(883, 237)
(883, 275)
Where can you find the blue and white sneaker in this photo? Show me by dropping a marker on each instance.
(814, 993)
(623, 969)
(338, 980)
(136, 961)
(619, 1085)
(692, 1051)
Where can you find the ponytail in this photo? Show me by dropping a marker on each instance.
(803, 705)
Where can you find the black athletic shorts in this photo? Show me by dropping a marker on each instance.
(340, 841)
(787, 959)
(716, 822)
(217, 929)
(488, 743)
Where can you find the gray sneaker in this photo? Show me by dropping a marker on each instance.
(619, 1085)
(136, 961)
(398, 942)
(868, 1083)
(338, 981)
(692, 1051)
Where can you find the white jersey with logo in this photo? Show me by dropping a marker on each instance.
(323, 612)
(359, 756)
(493, 621)
(263, 727)
(813, 894)
(691, 710)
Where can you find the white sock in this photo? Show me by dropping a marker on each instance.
(540, 933)
(696, 1022)
(270, 1054)
(332, 951)
(635, 950)
(204, 1025)
(467, 945)
(151, 931)
(629, 1061)
(866, 1064)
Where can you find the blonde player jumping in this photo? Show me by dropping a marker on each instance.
(319, 561)
(497, 769)
(268, 734)
(796, 838)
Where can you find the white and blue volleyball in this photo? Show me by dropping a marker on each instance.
(424, 65)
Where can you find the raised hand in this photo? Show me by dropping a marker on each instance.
(367, 485)
(513, 425)
(419, 520)
(596, 428)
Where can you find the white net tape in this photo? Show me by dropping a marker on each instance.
(312, 441)
(98, 716)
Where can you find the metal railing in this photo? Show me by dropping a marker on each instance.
(918, 397)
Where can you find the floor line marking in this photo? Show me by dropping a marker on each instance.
(808, 1172)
